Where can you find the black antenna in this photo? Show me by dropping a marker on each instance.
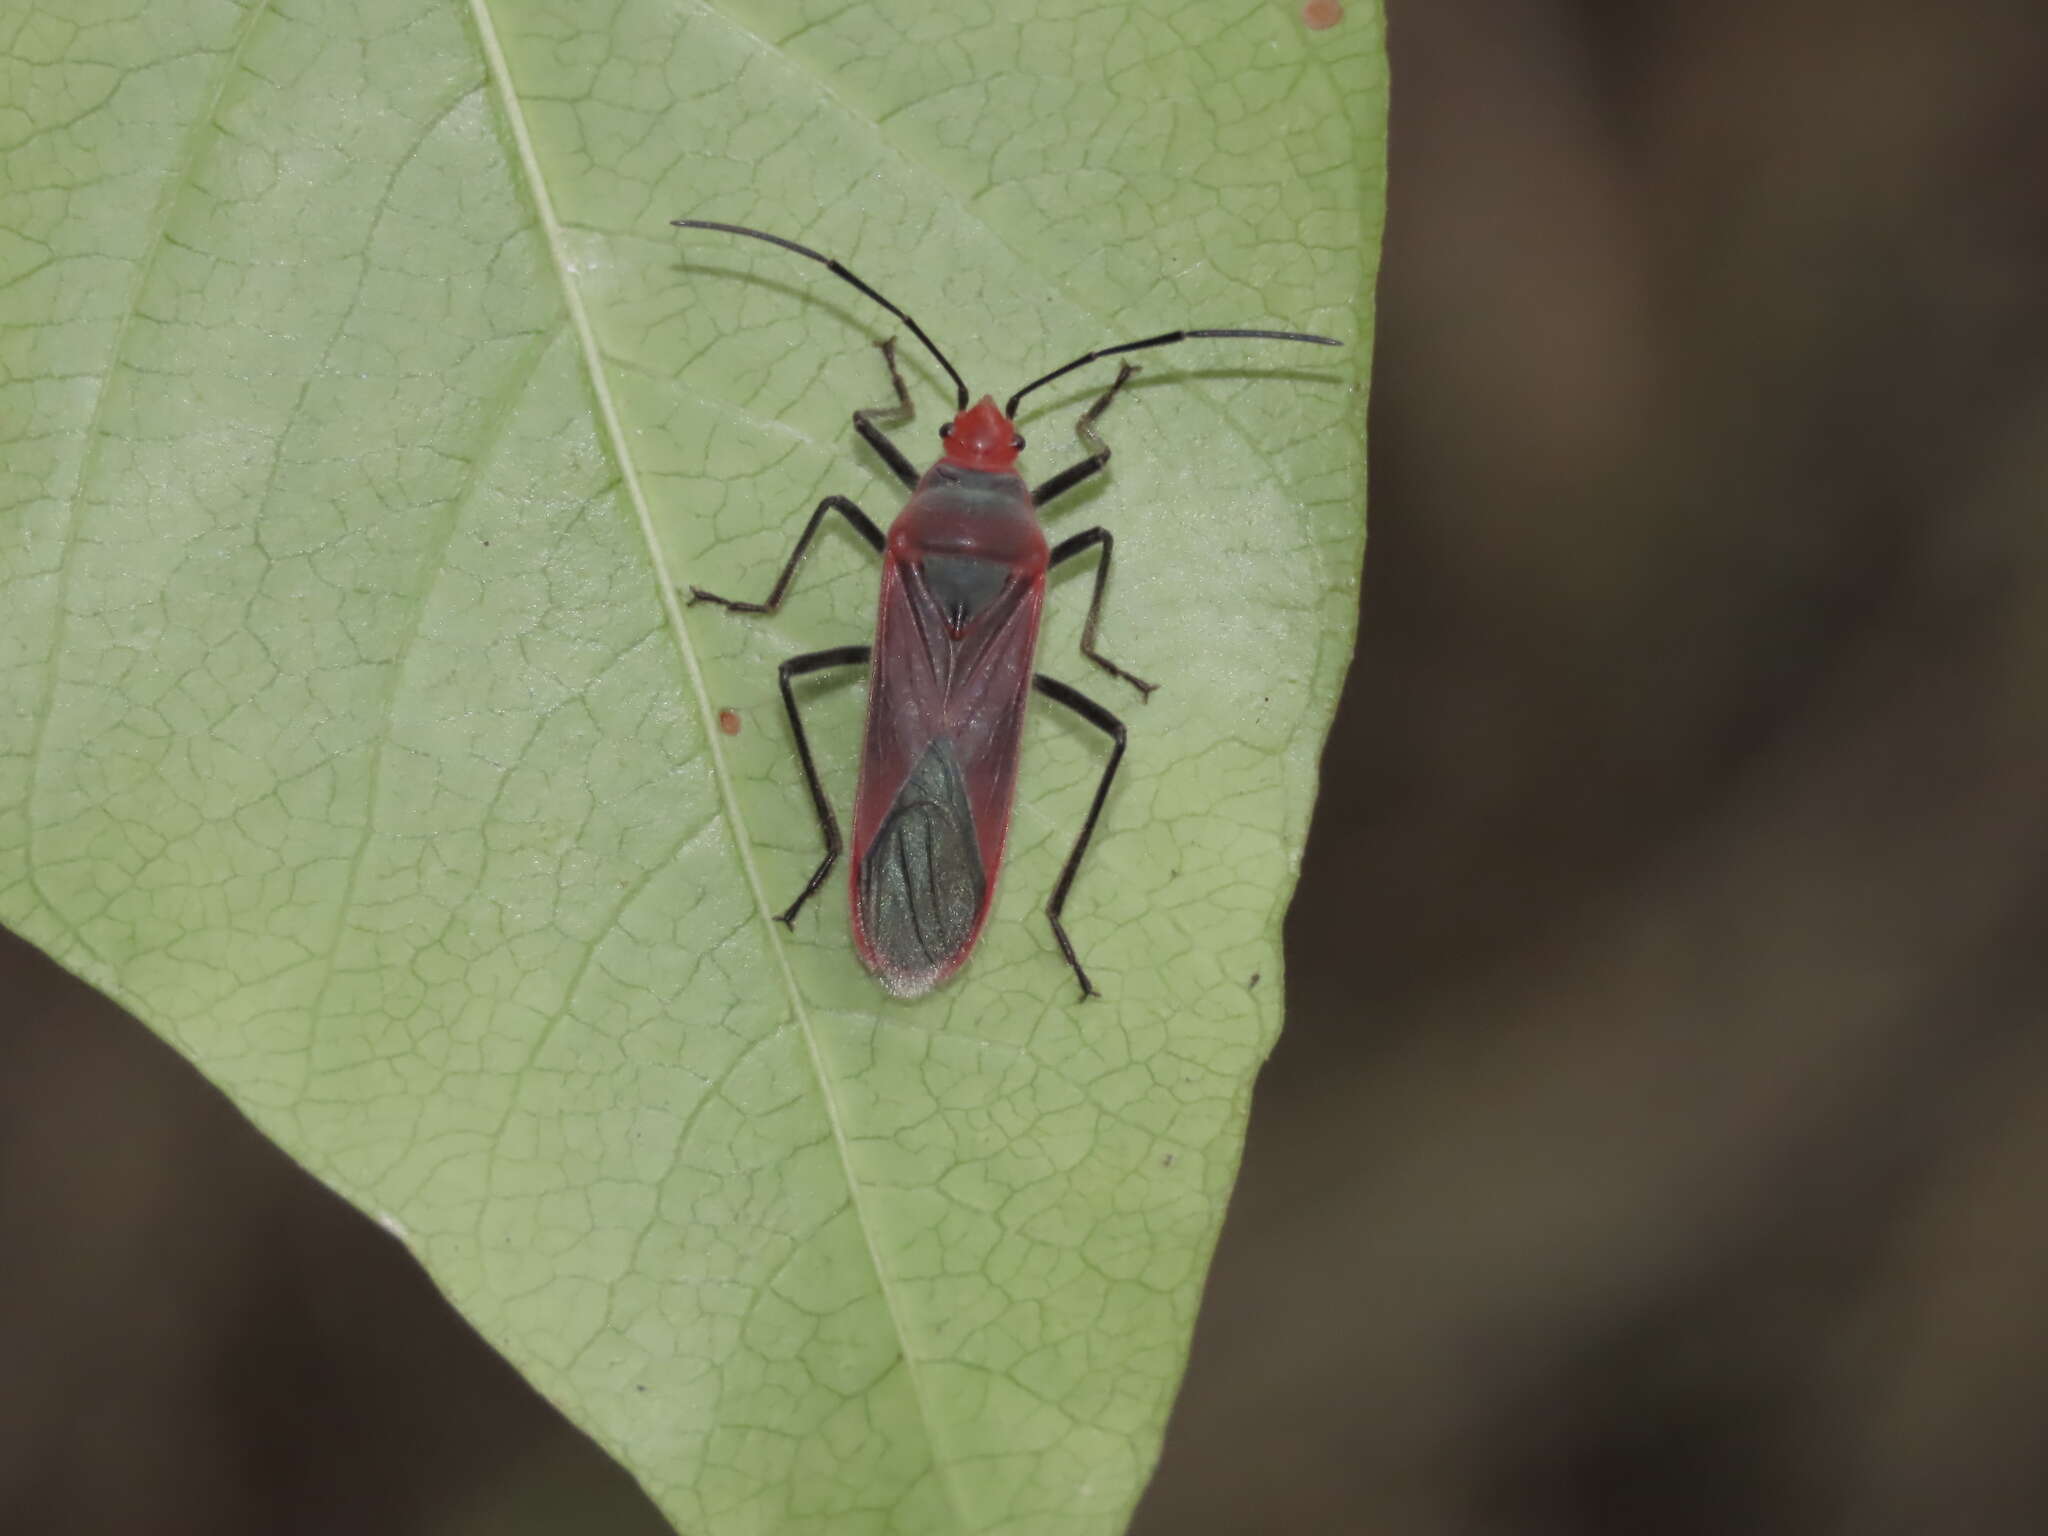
(1168, 339)
(837, 270)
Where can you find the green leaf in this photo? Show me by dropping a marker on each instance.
(362, 412)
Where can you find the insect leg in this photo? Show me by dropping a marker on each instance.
(903, 410)
(1066, 549)
(1098, 450)
(828, 824)
(1104, 721)
(862, 525)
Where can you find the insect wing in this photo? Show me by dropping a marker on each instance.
(938, 774)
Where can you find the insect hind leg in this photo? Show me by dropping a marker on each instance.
(1109, 725)
(828, 824)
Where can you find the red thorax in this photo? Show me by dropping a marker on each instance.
(982, 438)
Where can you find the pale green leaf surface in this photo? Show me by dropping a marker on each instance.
(360, 410)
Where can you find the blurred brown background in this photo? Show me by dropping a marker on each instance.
(1659, 1141)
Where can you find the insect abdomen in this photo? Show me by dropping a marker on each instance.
(921, 884)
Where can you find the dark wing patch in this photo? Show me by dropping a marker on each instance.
(921, 883)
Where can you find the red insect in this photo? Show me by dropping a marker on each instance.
(963, 580)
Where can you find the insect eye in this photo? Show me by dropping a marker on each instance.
(946, 430)
(1016, 445)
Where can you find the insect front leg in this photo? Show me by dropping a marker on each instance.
(828, 824)
(1098, 450)
(863, 421)
(1107, 723)
(1066, 549)
(862, 525)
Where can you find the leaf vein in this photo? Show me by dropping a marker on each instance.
(203, 127)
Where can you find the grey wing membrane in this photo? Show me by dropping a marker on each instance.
(922, 885)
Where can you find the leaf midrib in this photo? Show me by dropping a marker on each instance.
(499, 72)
